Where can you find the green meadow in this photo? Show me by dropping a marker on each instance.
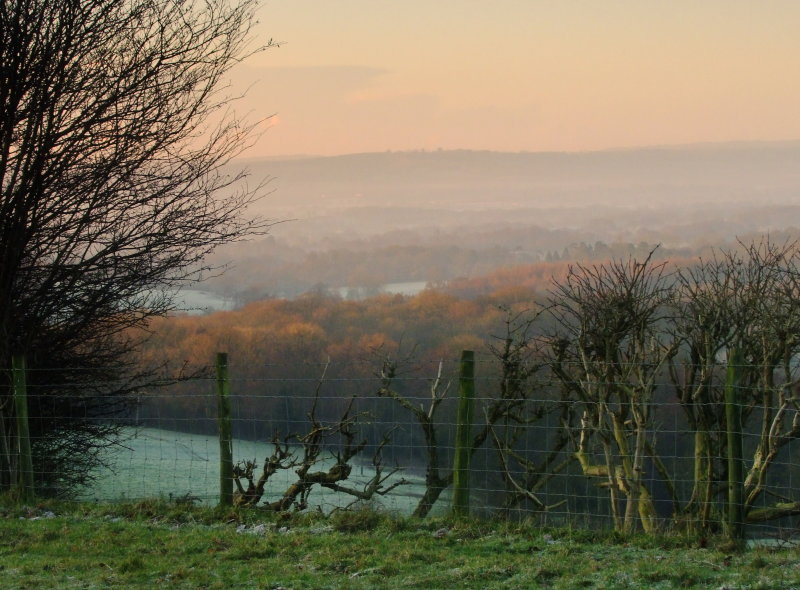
(158, 544)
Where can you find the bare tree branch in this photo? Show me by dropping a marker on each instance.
(116, 141)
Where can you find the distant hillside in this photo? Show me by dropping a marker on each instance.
(686, 175)
(364, 220)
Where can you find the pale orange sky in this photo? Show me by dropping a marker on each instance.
(510, 75)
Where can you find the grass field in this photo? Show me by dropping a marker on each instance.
(164, 463)
(155, 544)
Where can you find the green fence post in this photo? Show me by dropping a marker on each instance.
(463, 451)
(19, 373)
(733, 420)
(225, 436)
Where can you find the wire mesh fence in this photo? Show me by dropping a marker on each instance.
(582, 452)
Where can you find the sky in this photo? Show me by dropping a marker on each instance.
(354, 76)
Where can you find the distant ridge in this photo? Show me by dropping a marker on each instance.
(711, 173)
(696, 146)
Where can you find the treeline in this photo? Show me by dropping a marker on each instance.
(365, 248)
(274, 267)
(278, 337)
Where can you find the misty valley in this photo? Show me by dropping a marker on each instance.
(356, 223)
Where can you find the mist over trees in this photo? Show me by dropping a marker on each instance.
(364, 220)
(115, 136)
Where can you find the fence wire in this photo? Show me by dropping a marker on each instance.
(589, 452)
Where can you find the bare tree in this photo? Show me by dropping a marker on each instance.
(115, 136)
(436, 480)
(748, 298)
(608, 350)
(510, 408)
(524, 399)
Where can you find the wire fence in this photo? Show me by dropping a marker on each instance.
(586, 452)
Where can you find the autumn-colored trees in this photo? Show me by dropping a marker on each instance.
(613, 381)
(277, 347)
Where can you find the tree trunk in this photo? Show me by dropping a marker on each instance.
(433, 490)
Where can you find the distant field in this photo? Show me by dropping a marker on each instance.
(168, 464)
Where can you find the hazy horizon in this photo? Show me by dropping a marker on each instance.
(368, 219)
(698, 145)
(752, 172)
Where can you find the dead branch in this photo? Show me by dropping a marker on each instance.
(523, 491)
(280, 459)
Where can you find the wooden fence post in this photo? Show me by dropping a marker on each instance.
(225, 436)
(463, 451)
(733, 420)
(19, 373)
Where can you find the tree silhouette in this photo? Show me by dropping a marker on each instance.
(115, 140)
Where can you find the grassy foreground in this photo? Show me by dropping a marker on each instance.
(156, 544)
